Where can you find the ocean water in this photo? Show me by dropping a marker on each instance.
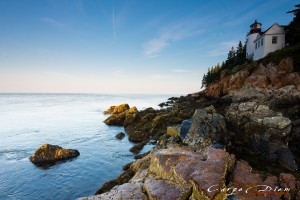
(68, 120)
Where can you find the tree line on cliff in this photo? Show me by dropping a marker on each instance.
(238, 56)
(235, 57)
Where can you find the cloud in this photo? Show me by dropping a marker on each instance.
(153, 47)
(224, 48)
(172, 33)
(53, 22)
(180, 71)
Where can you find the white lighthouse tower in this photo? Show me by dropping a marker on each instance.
(255, 31)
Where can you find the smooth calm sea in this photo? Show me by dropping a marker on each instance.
(68, 120)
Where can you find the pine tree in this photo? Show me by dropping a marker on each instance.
(204, 81)
(231, 54)
(239, 49)
(293, 32)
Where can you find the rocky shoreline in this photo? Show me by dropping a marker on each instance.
(237, 139)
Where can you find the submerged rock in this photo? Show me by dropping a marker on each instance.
(48, 153)
(120, 135)
(137, 148)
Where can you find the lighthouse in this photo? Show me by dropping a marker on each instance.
(255, 31)
(260, 43)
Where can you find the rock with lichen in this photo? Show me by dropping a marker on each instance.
(122, 115)
(260, 131)
(48, 153)
(117, 109)
(207, 127)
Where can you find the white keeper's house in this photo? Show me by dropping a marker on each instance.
(259, 43)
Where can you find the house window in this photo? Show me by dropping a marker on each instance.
(274, 40)
(256, 45)
(262, 41)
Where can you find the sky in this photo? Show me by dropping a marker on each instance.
(122, 46)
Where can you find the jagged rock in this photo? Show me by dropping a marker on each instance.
(185, 127)
(286, 158)
(48, 153)
(127, 176)
(131, 191)
(162, 189)
(116, 119)
(194, 170)
(250, 182)
(110, 110)
(117, 109)
(247, 94)
(167, 141)
(122, 115)
(288, 181)
(260, 131)
(151, 125)
(140, 156)
(126, 166)
(207, 126)
(130, 116)
(180, 173)
(137, 148)
(274, 76)
(120, 135)
(228, 83)
(173, 130)
(271, 76)
(187, 173)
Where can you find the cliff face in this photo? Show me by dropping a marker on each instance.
(269, 77)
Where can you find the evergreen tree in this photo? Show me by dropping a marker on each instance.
(239, 49)
(231, 54)
(293, 29)
(204, 81)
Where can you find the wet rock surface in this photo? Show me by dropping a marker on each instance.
(49, 154)
(120, 135)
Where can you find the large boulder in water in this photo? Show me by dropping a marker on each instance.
(48, 153)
